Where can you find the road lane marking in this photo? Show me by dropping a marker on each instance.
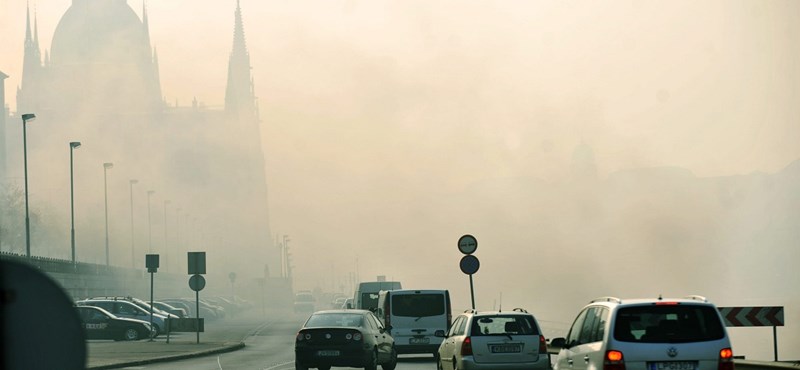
(275, 367)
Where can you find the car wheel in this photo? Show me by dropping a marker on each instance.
(438, 362)
(131, 333)
(324, 368)
(392, 361)
(372, 361)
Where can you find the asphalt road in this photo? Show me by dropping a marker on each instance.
(268, 346)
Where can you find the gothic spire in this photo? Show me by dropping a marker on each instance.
(239, 97)
(28, 24)
(146, 25)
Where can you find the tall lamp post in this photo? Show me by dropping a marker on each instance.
(106, 167)
(166, 247)
(72, 146)
(178, 239)
(25, 118)
(133, 260)
(149, 224)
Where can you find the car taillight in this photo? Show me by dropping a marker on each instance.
(614, 361)
(542, 344)
(726, 359)
(299, 337)
(466, 347)
(357, 337)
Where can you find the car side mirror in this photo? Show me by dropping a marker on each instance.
(349, 305)
(388, 328)
(558, 343)
(439, 333)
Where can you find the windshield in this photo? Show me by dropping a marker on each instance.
(418, 305)
(369, 301)
(668, 324)
(335, 319)
(503, 325)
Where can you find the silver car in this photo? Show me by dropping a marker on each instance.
(651, 334)
(494, 340)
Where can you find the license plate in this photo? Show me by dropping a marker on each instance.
(508, 348)
(327, 353)
(673, 365)
(425, 340)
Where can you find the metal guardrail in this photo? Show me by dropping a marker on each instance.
(66, 266)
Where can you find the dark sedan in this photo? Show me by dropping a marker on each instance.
(352, 338)
(101, 324)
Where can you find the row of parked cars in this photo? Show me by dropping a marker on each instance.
(609, 334)
(129, 318)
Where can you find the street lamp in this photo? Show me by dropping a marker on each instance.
(166, 248)
(178, 238)
(133, 259)
(72, 146)
(106, 167)
(149, 223)
(25, 118)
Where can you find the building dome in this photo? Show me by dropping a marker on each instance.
(101, 53)
(99, 32)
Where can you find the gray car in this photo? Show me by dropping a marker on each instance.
(126, 309)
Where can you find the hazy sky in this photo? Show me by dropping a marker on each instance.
(372, 107)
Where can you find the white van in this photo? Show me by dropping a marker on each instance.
(414, 317)
(366, 297)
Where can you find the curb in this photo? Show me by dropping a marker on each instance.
(224, 349)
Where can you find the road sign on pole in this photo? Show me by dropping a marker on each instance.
(467, 244)
(469, 264)
(755, 316)
(151, 262)
(197, 283)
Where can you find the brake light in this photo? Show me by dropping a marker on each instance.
(299, 337)
(614, 361)
(542, 344)
(357, 337)
(466, 347)
(726, 359)
(667, 303)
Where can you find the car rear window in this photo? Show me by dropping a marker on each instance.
(418, 305)
(503, 325)
(678, 323)
(335, 319)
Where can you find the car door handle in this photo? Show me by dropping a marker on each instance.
(586, 359)
(569, 361)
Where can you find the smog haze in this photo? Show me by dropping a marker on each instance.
(625, 148)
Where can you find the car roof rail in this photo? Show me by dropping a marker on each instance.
(697, 298)
(518, 309)
(606, 299)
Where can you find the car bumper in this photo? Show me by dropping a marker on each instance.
(468, 363)
(349, 358)
(416, 348)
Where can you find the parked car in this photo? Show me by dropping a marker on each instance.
(126, 309)
(653, 334)
(353, 338)
(493, 340)
(180, 312)
(415, 316)
(101, 324)
(145, 305)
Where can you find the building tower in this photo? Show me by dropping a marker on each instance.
(32, 70)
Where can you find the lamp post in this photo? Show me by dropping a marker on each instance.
(133, 260)
(166, 247)
(149, 223)
(106, 167)
(25, 118)
(72, 146)
(178, 239)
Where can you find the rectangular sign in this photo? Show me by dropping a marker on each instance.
(197, 263)
(752, 316)
(151, 262)
(185, 325)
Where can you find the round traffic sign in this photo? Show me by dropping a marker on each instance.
(469, 264)
(467, 244)
(197, 282)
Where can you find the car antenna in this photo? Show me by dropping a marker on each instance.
(501, 302)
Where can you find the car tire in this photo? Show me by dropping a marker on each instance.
(298, 366)
(131, 333)
(392, 361)
(324, 368)
(439, 365)
(372, 361)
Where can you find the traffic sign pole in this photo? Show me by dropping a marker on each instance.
(471, 291)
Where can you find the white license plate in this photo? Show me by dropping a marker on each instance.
(425, 340)
(673, 365)
(328, 353)
(506, 349)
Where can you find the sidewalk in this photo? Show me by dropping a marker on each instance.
(114, 355)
